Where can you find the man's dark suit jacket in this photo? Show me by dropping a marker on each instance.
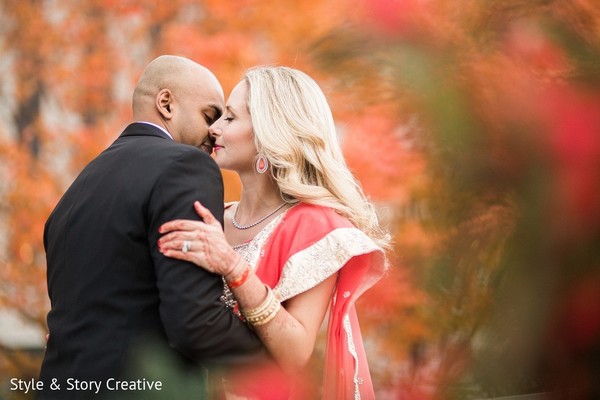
(110, 287)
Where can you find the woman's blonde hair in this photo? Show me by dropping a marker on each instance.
(294, 130)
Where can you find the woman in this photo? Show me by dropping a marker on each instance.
(304, 236)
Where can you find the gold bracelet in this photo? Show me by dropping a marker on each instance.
(265, 312)
(267, 317)
(262, 307)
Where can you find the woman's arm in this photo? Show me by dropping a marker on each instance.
(290, 336)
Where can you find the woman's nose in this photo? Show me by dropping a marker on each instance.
(213, 130)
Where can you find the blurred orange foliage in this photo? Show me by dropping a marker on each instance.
(473, 125)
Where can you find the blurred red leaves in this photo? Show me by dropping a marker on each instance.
(392, 17)
(506, 99)
(379, 151)
(573, 118)
(528, 46)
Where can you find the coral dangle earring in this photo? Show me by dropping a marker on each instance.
(262, 164)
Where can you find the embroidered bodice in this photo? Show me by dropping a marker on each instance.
(251, 251)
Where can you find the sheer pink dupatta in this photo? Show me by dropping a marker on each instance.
(346, 368)
(310, 244)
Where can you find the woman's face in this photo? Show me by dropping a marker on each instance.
(234, 143)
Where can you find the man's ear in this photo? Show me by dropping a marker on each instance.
(164, 100)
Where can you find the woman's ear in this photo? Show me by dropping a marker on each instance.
(164, 100)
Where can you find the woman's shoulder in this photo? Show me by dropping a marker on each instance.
(308, 214)
(308, 223)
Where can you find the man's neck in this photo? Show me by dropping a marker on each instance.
(157, 126)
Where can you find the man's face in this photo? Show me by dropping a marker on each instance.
(197, 106)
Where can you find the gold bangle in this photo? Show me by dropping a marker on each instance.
(265, 312)
(268, 317)
(262, 306)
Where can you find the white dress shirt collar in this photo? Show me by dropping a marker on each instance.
(158, 126)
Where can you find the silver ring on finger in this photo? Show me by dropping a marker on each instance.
(186, 246)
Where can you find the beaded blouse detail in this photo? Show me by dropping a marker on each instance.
(251, 251)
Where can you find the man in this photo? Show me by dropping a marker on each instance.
(110, 288)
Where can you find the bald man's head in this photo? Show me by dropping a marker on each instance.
(179, 95)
